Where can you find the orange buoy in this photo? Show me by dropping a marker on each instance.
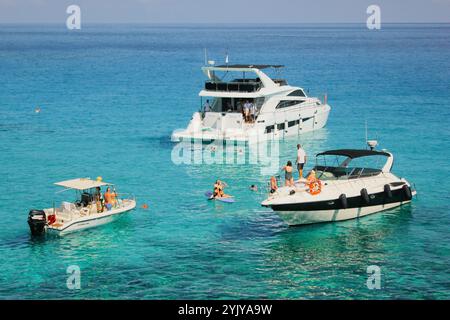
(144, 206)
(315, 187)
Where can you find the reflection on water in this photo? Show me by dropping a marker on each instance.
(340, 252)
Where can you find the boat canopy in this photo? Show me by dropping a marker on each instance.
(82, 184)
(354, 153)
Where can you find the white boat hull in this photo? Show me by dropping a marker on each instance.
(317, 119)
(294, 218)
(91, 220)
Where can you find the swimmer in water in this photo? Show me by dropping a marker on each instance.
(253, 188)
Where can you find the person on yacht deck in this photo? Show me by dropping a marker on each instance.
(273, 184)
(247, 111)
(207, 106)
(301, 160)
(253, 110)
(311, 177)
(289, 179)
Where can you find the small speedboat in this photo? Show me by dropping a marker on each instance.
(89, 210)
(339, 189)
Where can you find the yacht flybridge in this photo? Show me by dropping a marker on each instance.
(91, 209)
(241, 102)
(340, 191)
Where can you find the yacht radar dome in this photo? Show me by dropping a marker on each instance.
(372, 144)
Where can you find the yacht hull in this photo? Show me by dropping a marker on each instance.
(256, 133)
(293, 218)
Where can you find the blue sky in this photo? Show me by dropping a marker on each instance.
(224, 11)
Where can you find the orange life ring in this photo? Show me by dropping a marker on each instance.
(315, 187)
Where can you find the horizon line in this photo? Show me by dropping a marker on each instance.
(224, 23)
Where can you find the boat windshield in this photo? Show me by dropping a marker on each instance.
(339, 167)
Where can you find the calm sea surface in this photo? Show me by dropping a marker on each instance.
(110, 97)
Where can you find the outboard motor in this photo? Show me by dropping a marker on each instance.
(37, 221)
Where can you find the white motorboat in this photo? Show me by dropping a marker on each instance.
(278, 109)
(341, 190)
(89, 210)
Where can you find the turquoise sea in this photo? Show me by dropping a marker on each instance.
(110, 97)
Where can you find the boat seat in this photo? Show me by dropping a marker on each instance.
(63, 216)
(68, 206)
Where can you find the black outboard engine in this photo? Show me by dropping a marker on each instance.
(37, 221)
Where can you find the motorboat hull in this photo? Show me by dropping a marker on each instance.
(92, 220)
(294, 218)
(340, 200)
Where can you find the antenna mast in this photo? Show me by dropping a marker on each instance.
(366, 129)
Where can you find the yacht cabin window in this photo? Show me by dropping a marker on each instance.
(288, 103)
(297, 93)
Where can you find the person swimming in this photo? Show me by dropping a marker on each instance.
(253, 188)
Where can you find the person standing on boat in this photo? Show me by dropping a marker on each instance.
(247, 111)
(301, 160)
(98, 199)
(289, 179)
(109, 201)
(253, 111)
(206, 106)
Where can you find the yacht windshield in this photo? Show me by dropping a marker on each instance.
(341, 167)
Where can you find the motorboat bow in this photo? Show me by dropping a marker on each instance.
(342, 190)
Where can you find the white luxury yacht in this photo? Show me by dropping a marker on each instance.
(89, 210)
(341, 191)
(279, 109)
